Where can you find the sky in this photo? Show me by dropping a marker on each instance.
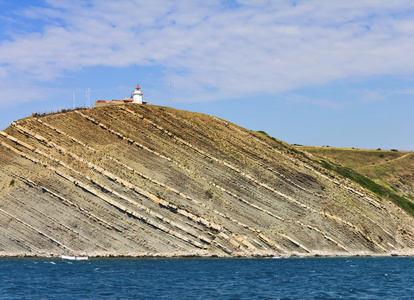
(314, 72)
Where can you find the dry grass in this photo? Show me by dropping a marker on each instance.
(391, 169)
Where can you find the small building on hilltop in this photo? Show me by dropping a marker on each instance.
(136, 97)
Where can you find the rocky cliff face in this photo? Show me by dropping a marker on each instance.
(141, 180)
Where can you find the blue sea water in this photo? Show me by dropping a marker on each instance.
(195, 278)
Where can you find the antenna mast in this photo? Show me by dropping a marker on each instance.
(169, 93)
(88, 98)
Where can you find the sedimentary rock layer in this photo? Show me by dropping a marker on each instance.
(142, 180)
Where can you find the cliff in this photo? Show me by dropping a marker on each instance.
(143, 180)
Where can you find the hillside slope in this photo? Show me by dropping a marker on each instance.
(391, 169)
(143, 180)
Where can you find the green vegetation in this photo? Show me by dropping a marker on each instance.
(280, 143)
(63, 110)
(209, 193)
(270, 137)
(12, 182)
(379, 190)
(361, 167)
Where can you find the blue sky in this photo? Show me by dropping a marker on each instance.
(316, 72)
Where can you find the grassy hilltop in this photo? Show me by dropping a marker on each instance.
(390, 174)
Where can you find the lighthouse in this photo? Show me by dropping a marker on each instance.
(137, 95)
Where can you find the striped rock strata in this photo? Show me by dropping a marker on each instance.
(142, 180)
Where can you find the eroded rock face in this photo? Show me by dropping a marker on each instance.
(142, 180)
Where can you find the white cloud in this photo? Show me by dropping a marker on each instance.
(372, 95)
(237, 50)
(17, 91)
(319, 102)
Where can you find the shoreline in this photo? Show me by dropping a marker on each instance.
(260, 256)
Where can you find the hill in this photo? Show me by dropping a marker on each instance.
(393, 170)
(143, 180)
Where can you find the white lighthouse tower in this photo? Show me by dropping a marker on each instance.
(137, 95)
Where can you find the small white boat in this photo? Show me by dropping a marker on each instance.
(74, 257)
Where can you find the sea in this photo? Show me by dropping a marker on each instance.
(208, 278)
